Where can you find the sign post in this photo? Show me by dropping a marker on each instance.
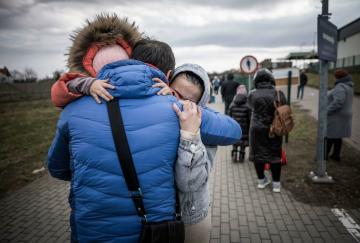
(249, 65)
(327, 50)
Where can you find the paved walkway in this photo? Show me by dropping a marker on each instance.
(39, 212)
(311, 103)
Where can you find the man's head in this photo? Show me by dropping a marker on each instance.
(156, 53)
(230, 76)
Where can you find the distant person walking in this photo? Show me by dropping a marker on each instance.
(263, 148)
(228, 91)
(339, 113)
(240, 111)
(303, 82)
(216, 84)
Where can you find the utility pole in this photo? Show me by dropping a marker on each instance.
(320, 175)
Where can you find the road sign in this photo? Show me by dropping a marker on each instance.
(327, 39)
(248, 64)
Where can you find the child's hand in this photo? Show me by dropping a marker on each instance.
(98, 88)
(190, 117)
(165, 89)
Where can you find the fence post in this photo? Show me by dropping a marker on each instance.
(288, 98)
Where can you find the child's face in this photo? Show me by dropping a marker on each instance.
(185, 90)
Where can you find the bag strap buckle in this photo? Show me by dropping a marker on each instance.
(136, 194)
(143, 219)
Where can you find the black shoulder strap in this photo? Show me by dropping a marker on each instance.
(124, 156)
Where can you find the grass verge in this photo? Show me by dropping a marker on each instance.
(345, 192)
(26, 131)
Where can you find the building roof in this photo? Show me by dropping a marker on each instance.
(302, 55)
(349, 29)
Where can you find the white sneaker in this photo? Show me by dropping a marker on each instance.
(263, 183)
(276, 186)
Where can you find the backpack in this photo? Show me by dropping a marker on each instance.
(283, 121)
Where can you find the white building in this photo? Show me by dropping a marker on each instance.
(5, 76)
(348, 53)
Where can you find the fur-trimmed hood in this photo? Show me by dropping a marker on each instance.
(105, 29)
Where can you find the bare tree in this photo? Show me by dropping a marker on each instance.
(57, 74)
(17, 76)
(30, 75)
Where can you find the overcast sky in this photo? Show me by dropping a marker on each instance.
(215, 34)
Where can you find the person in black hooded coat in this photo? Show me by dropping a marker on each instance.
(228, 91)
(240, 111)
(263, 148)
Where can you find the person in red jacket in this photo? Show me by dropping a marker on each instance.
(87, 41)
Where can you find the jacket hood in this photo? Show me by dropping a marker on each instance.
(240, 99)
(264, 79)
(345, 80)
(202, 74)
(106, 29)
(132, 79)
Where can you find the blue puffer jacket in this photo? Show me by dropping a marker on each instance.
(83, 152)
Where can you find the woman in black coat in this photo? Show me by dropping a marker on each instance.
(240, 111)
(263, 148)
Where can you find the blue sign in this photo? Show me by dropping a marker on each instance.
(327, 39)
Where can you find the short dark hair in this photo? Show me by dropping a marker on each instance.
(156, 53)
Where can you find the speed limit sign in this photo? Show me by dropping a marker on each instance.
(248, 64)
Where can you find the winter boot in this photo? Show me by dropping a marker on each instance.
(241, 157)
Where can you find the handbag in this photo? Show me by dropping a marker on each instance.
(151, 232)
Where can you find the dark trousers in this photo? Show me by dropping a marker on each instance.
(336, 143)
(275, 171)
(242, 148)
(300, 92)
(227, 105)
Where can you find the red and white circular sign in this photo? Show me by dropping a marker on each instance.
(248, 64)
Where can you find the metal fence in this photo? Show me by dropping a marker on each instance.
(352, 64)
(351, 61)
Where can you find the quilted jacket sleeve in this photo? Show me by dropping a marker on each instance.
(58, 162)
(60, 94)
(218, 129)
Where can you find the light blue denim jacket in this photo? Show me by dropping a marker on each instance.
(192, 170)
(194, 162)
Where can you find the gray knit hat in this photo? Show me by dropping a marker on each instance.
(201, 73)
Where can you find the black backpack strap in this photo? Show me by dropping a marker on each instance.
(178, 215)
(125, 157)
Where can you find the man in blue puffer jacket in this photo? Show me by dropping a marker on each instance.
(83, 152)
